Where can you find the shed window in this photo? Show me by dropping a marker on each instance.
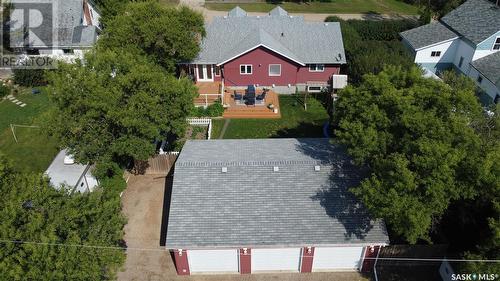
(496, 45)
(68, 51)
(245, 69)
(479, 79)
(275, 70)
(461, 62)
(435, 53)
(316, 67)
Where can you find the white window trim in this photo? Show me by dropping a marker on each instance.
(437, 54)
(269, 70)
(495, 43)
(316, 64)
(215, 72)
(314, 91)
(251, 69)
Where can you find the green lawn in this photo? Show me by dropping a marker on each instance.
(34, 150)
(294, 122)
(334, 7)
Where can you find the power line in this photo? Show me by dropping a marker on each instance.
(164, 250)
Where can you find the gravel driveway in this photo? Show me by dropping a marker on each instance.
(143, 203)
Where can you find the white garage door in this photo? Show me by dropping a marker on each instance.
(337, 258)
(285, 259)
(201, 261)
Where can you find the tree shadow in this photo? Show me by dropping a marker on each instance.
(339, 203)
(312, 129)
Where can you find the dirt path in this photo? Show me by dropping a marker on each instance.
(224, 128)
(210, 14)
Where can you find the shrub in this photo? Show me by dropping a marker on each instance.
(4, 90)
(30, 77)
(214, 110)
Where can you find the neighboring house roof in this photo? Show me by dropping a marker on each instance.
(252, 205)
(65, 174)
(428, 35)
(292, 37)
(475, 20)
(62, 25)
(489, 66)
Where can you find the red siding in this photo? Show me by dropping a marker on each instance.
(371, 253)
(307, 259)
(181, 262)
(245, 261)
(260, 58)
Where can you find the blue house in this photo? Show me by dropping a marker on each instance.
(467, 39)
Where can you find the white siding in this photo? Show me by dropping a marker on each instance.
(486, 84)
(337, 258)
(467, 52)
(283, 259)
(209, 261)
(447, 50)
(482, 53)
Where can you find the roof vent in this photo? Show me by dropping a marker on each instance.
(326, 24)
(224, 169)
(276, 168)
(282, 34)
(317, 168)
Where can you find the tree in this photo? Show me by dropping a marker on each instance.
(34, 211)
(413, 134)
(30, 77)
(116, 105)
(168, 35)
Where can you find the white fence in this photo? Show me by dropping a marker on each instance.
(202, 122)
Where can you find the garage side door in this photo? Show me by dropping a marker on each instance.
(201, 261)
(285, 259)
(337, 258)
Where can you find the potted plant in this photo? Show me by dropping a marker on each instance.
(270, 106)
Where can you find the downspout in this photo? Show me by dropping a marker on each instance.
(375, 264)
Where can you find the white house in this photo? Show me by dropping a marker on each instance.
(61, 29)
(65, 173)
(467, 39)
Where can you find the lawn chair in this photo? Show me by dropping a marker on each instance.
(261, 97)
(250, 97)
(237, 97)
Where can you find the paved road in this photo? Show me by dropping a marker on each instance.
(210, 14)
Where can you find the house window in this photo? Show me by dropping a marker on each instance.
(245, 69)
(314, 89)
(479, 79)
(275, 70)
(461, 62)
(68, 51)
(435, 53)
(217, 70)
(496, 45)
(316, 67)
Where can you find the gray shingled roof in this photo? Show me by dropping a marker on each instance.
(476, 20)
(428, 34)
(252, 205)
(489, 66)
(66, 29)
(308, 42)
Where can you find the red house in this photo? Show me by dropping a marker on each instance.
(281, 52)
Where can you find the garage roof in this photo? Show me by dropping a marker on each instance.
(271, 194)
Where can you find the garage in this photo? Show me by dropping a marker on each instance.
(337, 258)
(206, 261)
(282, 259)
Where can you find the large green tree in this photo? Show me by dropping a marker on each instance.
(116, 105)
(41, 226)
(169, 35)
(414, 135)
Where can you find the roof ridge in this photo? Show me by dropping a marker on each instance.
(253, 163)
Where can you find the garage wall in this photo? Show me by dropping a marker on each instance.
(280, 259)
(337, 258)
(209, 261)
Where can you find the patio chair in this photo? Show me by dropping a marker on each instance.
(261, 96)
(250, 98)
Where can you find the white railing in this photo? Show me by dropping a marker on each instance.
(206, 103)
(202, 122)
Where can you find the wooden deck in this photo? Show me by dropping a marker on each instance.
(261, 110)
(209, 92)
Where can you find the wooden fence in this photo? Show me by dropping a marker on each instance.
(157, 165)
